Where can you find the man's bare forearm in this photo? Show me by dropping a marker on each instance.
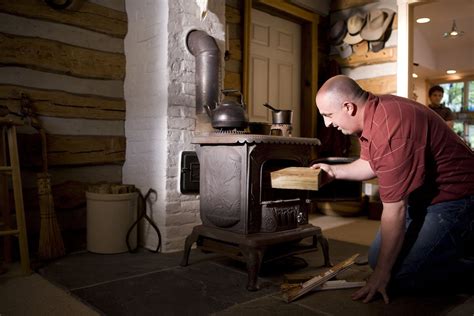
(358, 170)
(392, 229)
(392, 235)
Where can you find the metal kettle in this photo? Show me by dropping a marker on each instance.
(228, 114)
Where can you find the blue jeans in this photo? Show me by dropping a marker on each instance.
(438, 248)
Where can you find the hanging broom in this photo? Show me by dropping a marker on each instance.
(50, 242)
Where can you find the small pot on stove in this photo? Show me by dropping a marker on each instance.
(280, 116)
(229, 114)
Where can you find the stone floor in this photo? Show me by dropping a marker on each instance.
(146, 283)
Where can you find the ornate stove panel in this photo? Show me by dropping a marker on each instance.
(235, 182)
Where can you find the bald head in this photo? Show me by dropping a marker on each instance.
(340, 89)
(341, 102)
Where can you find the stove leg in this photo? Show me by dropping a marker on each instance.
(325, 247)
(253, 258)
(190, 240)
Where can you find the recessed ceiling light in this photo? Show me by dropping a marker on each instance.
(423, 20)
(414, 75)
(450, 71)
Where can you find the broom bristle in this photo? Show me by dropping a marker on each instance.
(50, 243)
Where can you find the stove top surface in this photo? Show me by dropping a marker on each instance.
(240, 138)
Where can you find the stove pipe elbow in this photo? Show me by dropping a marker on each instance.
(204, 48)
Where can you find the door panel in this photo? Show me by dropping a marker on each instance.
(285, 42)
(275, 52)
(285, 80)
(260, 69)
(261, 34)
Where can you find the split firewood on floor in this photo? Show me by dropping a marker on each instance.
(329, 285)
(297, 178)
(300, 289)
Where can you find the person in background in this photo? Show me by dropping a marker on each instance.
(436, 95)
(426, 184)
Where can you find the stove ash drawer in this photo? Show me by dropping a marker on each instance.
(282, 215)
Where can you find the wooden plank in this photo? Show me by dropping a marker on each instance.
(67, 195)
(63, 104)
(233, 65)
(379, 85)
(309, 69)
(290, 9)
(73, 150)
(234, 31)
(68, 221)
(17, 25)
(232, 15)
(235, 49)
(233, 3)
(85, 150)
(337, 5)
(297, 291)
(51, 81)
(330, 285)
(388, 54)
(53, 56)
(232, 80)
(88, 16)
(296, 178)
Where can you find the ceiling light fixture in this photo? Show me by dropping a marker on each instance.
(450, 71)
(423, 20)
(454, 33)
(414, 74)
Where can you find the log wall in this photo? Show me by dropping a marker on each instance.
(234, 40)
(70, 64)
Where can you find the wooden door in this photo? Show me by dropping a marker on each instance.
(275, 53)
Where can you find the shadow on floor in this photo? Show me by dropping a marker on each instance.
(146, 283)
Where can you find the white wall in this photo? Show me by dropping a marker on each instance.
(160, 116)
(423, 53)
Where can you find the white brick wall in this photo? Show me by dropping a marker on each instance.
(161, 115)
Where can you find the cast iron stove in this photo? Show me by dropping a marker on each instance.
(242, 216)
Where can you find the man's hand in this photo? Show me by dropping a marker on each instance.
(358, 170)
(392, 230)
(377, 282)
(328, 174)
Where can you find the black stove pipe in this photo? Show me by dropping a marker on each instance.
(204, 48)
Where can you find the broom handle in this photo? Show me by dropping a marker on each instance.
(44, 149)
(28, 111)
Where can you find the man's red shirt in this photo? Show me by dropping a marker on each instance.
(414, 153)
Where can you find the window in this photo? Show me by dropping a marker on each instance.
(470, 104)
(459, 97)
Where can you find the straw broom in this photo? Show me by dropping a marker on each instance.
(50, 242)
